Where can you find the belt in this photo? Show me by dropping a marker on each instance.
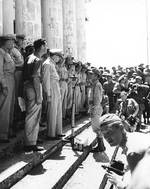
(63, 79)
(19, 69)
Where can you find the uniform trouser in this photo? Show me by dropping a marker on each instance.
(33, 115)
(64, 92)
(69, 96)
(18, 92)
(82, 96)
(95, 115)
(54, 111)
(96, 112)
(77, 99)
(7, 107)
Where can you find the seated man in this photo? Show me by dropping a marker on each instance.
(134, 144)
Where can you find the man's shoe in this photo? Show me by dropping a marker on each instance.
(52, 138)
(62, 135)
(33, 148)
(28, 149)
(95, 150)
(37, 148)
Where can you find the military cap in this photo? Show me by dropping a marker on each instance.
(7, 37)
(109, 75)
(108, 120)
(105, 74)
(20, 36)
(58, 52)
(96, 71)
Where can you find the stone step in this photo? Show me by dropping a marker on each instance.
(55, 171)
(17, 167)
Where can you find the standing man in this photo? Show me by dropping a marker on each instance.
(33, 95)
(63, 74)
(108, 88)
(52, 92)
(7, 87)
(96, 112)
(18, 58)
(82, 85)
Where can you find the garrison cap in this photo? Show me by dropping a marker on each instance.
(20, 36)
(7, 37)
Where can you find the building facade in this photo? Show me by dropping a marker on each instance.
(61, 22)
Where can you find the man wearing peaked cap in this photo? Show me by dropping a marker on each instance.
(113, 130)
(96, 112)
(7, 86)
(7, 37)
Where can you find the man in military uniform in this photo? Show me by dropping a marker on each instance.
(96, 111)
(51, 89)
(82, 85)
(7, 86)
(33, 95)
(77, 88)
(108, 89)
(18, 58)
(63, 75)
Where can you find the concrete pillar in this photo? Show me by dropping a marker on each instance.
(1, 18)
(28, 18)
(69, 27)
(8, 17)
(52, 24)
(81, 33)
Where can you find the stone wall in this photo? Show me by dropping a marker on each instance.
(28, 18)
(52, 23)
(81, 34)
(1, 18)
(8, 20)
(69, 28)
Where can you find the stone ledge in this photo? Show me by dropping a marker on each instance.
(37, 158)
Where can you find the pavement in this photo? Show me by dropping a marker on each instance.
(15, 164)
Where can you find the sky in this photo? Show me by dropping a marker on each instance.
(116, 33)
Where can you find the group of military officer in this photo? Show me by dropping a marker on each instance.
(35, 81)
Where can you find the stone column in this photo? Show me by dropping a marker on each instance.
(28, 18)
(1, 18)
(69, 27)
(8, 17)
(52, 23)
(81, 34)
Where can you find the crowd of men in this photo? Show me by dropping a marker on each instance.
(38, 84)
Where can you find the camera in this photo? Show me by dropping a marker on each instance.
(116, 167)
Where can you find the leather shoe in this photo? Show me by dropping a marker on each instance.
(52, 138)
(62, 135)
(33, 148)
